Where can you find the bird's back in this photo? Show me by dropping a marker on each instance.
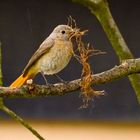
(57, 58)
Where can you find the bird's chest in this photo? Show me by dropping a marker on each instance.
(56, 59)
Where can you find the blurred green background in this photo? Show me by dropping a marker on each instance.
(25, 24)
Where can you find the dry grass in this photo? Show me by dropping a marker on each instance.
(85, 51)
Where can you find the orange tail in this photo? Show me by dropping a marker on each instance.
(20, 81)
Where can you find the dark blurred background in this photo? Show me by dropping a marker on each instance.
(25, 24)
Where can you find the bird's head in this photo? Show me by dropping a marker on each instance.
(65, 32)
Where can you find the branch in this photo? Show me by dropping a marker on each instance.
(0, 66)
(1, 99)
(101, 10)
(10, 112)
(126, 68)
(20, 120)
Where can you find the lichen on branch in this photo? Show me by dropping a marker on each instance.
(127, 67)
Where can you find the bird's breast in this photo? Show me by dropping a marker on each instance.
(56, 58)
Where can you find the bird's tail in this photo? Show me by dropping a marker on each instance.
(21, 80)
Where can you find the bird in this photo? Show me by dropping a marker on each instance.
(51, 57)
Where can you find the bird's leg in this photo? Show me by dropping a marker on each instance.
(61, 80)
(45, 79)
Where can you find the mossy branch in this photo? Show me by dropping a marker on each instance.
(127, 67)
(100, 9)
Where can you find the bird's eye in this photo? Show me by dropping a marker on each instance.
(63, 32)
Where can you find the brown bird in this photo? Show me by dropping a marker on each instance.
(52, 56)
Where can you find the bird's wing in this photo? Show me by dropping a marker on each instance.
(44, 47)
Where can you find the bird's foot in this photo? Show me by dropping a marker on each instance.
(61, 80)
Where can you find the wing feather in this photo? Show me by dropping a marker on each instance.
(44, 47)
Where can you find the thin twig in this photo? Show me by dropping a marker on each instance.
(17, 118)
(10, 112)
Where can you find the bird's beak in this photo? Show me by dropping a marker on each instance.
(76, 33)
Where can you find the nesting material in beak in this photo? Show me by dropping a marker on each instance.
(77, 33)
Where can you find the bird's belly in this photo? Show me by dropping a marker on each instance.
(54, 61)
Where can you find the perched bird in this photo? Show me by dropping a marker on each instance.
(52, 56)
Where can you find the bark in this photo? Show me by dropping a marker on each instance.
(126, 68)
(100, 8)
